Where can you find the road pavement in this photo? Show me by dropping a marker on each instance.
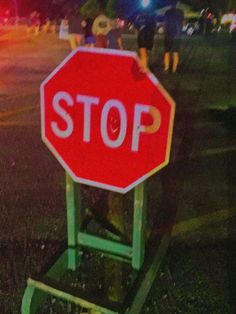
(194, 196)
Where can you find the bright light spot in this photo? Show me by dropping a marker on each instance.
(227, 18)
(145, 3)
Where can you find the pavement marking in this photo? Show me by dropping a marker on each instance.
(213, 151)
(195, 223)
(8, 114)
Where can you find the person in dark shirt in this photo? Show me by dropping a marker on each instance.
(145, 25)
(173, 27)
(76, 24)
(114, 39)
(89, 38)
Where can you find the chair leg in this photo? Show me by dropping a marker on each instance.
(32, 299)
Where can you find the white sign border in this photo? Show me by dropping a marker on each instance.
(152, 78)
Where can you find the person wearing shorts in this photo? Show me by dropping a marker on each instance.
(173, 28)
(76, 24)
(89, 40)
(145, 25)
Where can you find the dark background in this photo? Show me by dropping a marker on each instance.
(53, 7)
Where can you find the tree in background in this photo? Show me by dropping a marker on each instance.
(111, 9)
(90, 8)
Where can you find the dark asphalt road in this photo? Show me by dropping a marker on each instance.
(195, 195)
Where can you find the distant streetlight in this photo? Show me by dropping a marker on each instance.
(145, 3)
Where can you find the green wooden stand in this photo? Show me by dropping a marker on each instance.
(39, 288)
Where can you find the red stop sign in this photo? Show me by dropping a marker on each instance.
(108, 124)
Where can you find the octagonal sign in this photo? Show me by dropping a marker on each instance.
(108, 124)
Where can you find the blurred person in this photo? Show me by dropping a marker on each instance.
(114, 39)
(209, 23)
(89, 37)
(75, 27)
(100, 28)
(173, 19)
(203, 21)
(145, 25)
(34, 23)
(53, 27)
(63, 29)
(46, 26)
(215, 23)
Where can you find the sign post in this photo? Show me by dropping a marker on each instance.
(109, 126)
